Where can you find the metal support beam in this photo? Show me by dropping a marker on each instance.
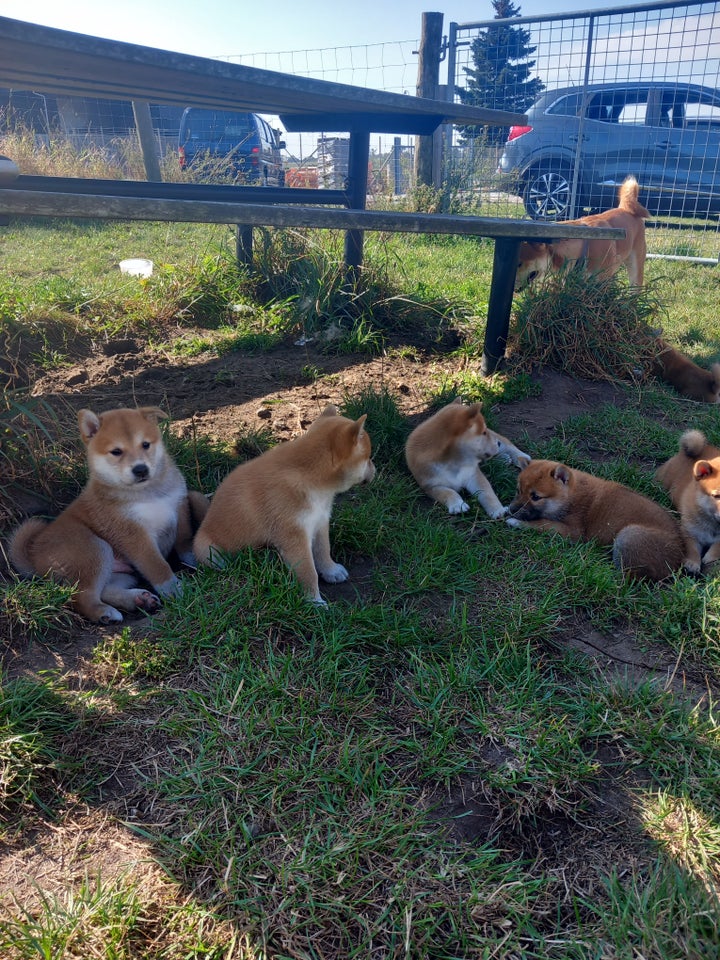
(356, 188)
(505, 262)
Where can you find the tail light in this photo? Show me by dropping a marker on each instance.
(254, 158)
(181, 157)
(516, 132)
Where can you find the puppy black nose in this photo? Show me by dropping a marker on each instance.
(141, 471)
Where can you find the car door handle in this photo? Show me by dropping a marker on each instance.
(574, 139)
(665, 144)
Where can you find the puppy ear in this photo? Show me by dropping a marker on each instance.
(89, 424)
(359, 427)
(458, 400)
(152, 413)
(561, 473)
(703, 469)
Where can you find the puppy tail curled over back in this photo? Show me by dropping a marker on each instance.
(692, 443)
(20, 546)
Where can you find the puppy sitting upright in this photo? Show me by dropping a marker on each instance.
(646, 539)
(444, 453)
(692, 478)
(132, 512)
(284, 498)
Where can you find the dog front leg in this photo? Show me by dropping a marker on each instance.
(448, 497)
(516, 456)
(142, 553)
(296, 551)
(479, 487)
(330, 571)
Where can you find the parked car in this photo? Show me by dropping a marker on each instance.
(666, 134)
(221, 143)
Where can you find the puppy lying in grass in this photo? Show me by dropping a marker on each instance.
(444, 453)
(647, 543)
(134, 510)
(284, 499)
(686, 377)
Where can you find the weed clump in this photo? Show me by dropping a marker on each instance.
(588, 325)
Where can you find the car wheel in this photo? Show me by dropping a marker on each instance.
(546, 192)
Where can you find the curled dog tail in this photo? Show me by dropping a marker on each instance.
(692, 443)
(628, 198)
(20, 546)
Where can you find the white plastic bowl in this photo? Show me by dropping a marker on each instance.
(137, 267)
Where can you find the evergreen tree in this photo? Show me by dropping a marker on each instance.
(500, 78)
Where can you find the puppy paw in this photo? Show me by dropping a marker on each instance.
(692, 567)
(498, 514)
(187, 558)
(458, 506)
(144, 600)
(110, 615)
(335, 574)
(522, 461)
(513, 522)
(318, 601)
(171, 587)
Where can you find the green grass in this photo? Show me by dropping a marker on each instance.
(433, 769)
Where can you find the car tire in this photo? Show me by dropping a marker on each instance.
(546, 191)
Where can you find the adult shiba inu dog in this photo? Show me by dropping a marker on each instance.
(686, 377)
(444, 453)
(133, 511)
(646, 540)
(599, 256)
(692, 478)
(284, 499)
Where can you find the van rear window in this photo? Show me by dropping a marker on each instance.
(215, 125)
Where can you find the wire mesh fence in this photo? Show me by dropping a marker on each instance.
(609, 93)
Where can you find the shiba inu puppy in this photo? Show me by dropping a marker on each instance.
(687, 377)
(445, 451)
(646, 540)
(134, 509)
(284, 499)
(692, 478)
(599, 256)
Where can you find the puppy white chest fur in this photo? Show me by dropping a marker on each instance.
(317, 512)
(458, 475)
(157, 517)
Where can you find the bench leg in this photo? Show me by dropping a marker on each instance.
(501, 295)
(356, 188)
(244, 244)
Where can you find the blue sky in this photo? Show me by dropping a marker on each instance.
(218, 28)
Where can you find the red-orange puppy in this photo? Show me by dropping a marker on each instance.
(284, 499)
(686, 377)
(444, 455)
(646, 540)
(133, 511)
(692, 478)
(599, 256)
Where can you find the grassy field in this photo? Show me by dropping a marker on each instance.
(436, 768)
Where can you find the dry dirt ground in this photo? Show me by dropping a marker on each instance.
(223, 397)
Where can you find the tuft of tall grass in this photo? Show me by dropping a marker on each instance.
(588, 325)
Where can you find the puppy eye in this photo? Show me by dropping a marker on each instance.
(117, 452)
(535, 497)
(146, 444)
